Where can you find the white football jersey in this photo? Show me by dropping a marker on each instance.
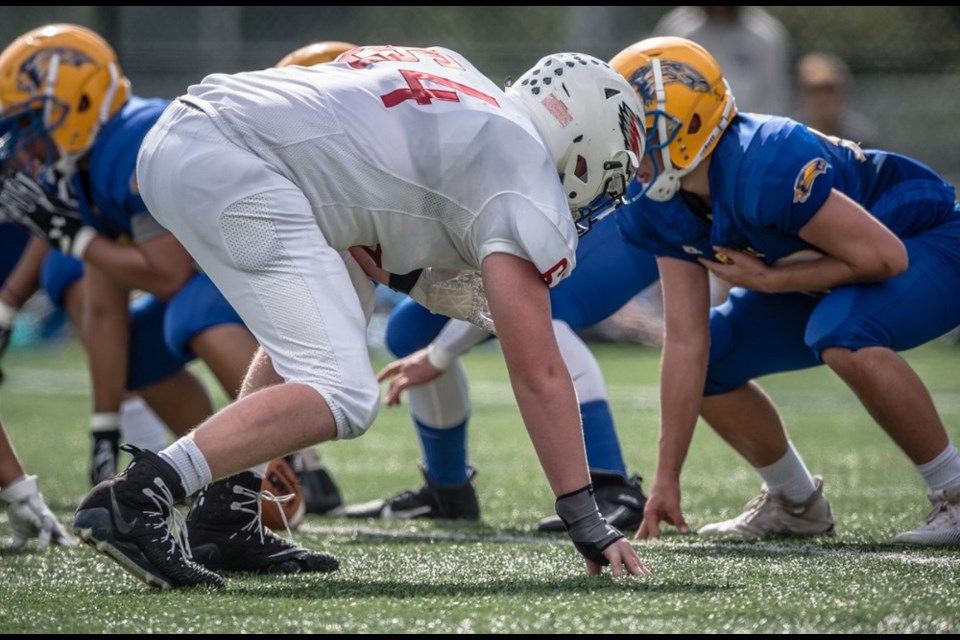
(413, 150)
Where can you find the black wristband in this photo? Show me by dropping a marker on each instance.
(404, 282)
(586, 527)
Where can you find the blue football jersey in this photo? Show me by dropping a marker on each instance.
(107, 191)
(769, 176)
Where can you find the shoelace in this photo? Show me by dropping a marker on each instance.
(755, 506)
(943, 506)
(174, 526)
(253, 498)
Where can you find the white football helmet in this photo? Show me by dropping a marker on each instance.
(592, 123)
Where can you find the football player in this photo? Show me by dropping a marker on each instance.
(609, 272)
(842, 257)
(267, 177)
(75, 130)
(27, 513)
(174, 395)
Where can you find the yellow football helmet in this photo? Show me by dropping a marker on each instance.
(686, 100)
(316, 53)
(58, 84)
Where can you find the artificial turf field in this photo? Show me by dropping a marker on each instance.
(500, 575)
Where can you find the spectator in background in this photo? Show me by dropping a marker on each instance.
(751, 45)
(823, 88)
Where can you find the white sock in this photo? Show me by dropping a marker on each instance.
(789, 477)
(141, 427)
(943, 471)
(188, 460)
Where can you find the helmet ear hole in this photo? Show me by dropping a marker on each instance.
(695, 124)
(84, 103)
(581, 169)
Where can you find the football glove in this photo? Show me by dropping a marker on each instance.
(30, 517)
(586, 527)
(455, 294)
(45, 214)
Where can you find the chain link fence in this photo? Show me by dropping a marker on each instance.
(905, 59)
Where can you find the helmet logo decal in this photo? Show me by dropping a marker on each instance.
(632, 130)
(673, 71)
(33, 71)
(557, 109)
(803, 185)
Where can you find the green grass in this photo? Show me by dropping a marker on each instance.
(499, 575)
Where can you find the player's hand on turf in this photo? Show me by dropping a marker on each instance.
(621, 558)
(30, 517)
(663, 505)
(598, 542)
(407, 372)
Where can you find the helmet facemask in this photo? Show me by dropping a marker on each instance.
(25, 141)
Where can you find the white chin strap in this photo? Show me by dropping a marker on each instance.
(667, 183)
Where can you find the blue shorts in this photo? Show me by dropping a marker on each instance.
(150, 359)
(198, 306)
(754, 334)
(57, 274)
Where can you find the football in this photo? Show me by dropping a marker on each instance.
(281, 495)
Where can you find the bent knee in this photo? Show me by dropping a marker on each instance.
(354, 407)
(835, 355)
(845, 361)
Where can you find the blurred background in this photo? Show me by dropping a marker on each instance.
(904, 61)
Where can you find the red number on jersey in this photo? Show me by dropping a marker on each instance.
(416, 91)
(554, 271)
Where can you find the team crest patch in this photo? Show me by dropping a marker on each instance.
(803, 185)
(557, 109)
(673, 71)
(33, 71)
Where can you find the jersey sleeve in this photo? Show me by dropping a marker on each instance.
(661, 228)
(512, 223)
(785, 179)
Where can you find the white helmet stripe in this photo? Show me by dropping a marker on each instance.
(662, 108)
(111, 92)
(52, 70)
